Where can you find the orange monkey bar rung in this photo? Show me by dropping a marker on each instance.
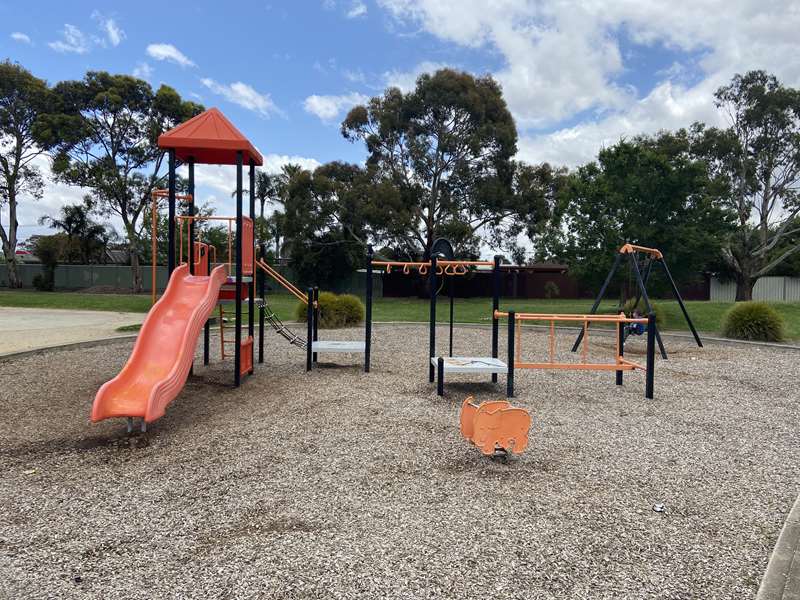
(443, 267)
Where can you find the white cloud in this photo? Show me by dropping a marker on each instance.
(357, 9)
(142, 70)
(244, 95)
(329, 108)
(114, 35)
(72, 40)
(169, 53)
(407, 80)
(18, 36)
(560, 59)
(274, 162)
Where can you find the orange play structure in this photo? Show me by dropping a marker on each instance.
(495, 426)
(164, 351)
(620, 364)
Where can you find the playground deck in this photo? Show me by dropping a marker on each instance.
(343, 484)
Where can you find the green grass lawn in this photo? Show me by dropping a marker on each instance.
(707, 316)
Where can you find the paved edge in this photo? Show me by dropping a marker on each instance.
(781, 580)
(68, 346)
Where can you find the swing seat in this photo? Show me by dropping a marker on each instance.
(495, 425)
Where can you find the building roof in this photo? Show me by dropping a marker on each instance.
(209, 138)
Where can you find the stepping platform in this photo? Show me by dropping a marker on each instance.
(465, 364)
(340, 347)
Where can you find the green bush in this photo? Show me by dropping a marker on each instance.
(335, 311)
(551, 290)
(43, 283)
(629, 307)
(756, 321)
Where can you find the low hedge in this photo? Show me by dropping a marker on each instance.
(335, 310)
(755, 321)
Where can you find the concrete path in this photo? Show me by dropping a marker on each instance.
(782, 578)
(32, 328)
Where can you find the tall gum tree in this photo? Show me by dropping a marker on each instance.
(758, 159)
(446, 150)
(104, 137)
(23, 98)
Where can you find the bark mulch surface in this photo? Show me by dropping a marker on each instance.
(340, 484)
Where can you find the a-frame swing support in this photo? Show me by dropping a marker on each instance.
(654, 256)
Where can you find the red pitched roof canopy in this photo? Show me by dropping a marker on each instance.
(210, 138)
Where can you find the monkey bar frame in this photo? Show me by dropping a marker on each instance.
(619, 365)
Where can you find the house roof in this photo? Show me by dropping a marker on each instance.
(209, 138)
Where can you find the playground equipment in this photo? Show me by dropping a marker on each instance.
(164, 350)
(619, 365)
(443, 265)
(652, 256)
(312, 344)
(495, 427)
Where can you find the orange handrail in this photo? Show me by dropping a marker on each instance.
(283, 281)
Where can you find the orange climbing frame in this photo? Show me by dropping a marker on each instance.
(155, 195)
(620, 362)
(495, 425)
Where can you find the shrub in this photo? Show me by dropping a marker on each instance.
(335, 311)
(551, 290)
(43, 283)
(756, 321)
(629, 307)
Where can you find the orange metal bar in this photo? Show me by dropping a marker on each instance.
(283, 281)
(631, 363)
(631, 248)
(576, 366)
(573, 318)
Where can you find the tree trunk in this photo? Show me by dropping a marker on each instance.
(13, 275)
(744, 288)
(136, 270)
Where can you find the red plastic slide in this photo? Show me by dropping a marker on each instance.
(159, 365)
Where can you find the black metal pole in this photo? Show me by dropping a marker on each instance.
(368, 324)
(645, 278)
(432, 331)
(646, 298)
(317, 311)
(171, 220)
(511, 358)
(599, 298)
(191, 214)
(309, 328)
(440, 376)
(651, 355)
(237, 352)
(621, 342)
(262, 310)
(495, 308)
(251, 287)
(680, 303)
(451, 316)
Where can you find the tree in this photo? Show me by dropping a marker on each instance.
(440, 161)
(758, 159)
(324, 221)
(48, 249)
(86, 238)
(104, 136)
(649, 191)
(23, 98)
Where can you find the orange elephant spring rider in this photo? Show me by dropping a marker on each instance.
(495, 426)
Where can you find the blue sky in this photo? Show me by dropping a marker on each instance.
(576, 75)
